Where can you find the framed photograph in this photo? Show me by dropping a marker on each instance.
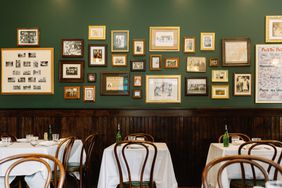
(139, 47)
(155, 62)
(236, 52)
(119, 60)
(72, 71)
(268, 73)
(28, 36)
(115, 83)
(220, 91)
(71, 92)
(97, 55)
(219, 75)
(171, 63)
(91, 77)
(163, 88)
(164, 39)
(72, 47)
(214, 62)
(196, 64)
(273, 29)
(89, 93)
(27, 71)
(137, 81)
(242, 84)
(96, 32)
(137, 65)
(120, 40)
(207, 41)
(137, 94)
(196, 86)
(189, 44)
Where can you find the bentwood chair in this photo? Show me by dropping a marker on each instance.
(41, 158)
(147, 137)
(241, 136)
(125, 146)
(13, 137)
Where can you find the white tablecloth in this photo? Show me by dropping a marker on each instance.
(163, 172)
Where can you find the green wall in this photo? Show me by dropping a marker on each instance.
(58, 19)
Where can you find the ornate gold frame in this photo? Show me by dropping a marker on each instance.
(217, 87)
(97, 27)
(212, 48)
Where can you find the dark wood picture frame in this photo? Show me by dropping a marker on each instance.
(36, 44)
(214, 62)
(134, 96)
(196, 94)
(91, 77)
(151, 62)
(134, 69)
(135, 53)
(104, 56)
(64, 55)
(85, 94)
(66, 78)
(112, 89)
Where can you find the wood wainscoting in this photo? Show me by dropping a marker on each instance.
(187, 132)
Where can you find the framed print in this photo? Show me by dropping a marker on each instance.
(139, 47)
(155, 62)
(164, 39)
(137, 65)
(72, 71)
(120, 40)
(137, 81)
(28, 36)
(89, 93)
(268, 73)
(273, 29)
(207, 41)
(189, 44)
(71, 92)
(115, 83)
(196, 86)
(214, 62)
(242, 84)
(196, 64)
(96, 32)
(27, 71)
(137, 94)
(236, 52)
(119, 60)
(220, 91)
(72, 47)
(91, 77)
(163, 88)
(97, 55)
(171, 63)
(219, 75)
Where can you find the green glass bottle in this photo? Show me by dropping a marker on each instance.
(118, 135)
(50, 132)
(225, 138)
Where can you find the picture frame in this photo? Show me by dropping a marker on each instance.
(155, 62)
(273, 29)
(137, 80)
(89, 93)
(137, 65)
(171, 63)
(97, 55)
(72, 48)
(72, 92)
(71, 71)
(214, 62)
(27, 71)
(220, 91)
(189, 44)
(164, 39)
(28, 37)
(139, 47)
(119, 60)
(97, 32)
(236, 52)
(120, 40)
(219, 75)
(196, 86)
(196, 64)
(207, 41)
(242, 84)
(170, 93)
(137, 94)
(91, 77)
(115, 84)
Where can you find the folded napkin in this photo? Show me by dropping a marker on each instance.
(47, 143)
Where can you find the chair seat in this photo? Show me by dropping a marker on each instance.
(238, 183)
(136, 184)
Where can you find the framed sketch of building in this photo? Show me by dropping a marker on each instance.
(28, 36)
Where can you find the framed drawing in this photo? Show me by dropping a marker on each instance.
(196, 86)
(207, 41)
(189, 44)
(96, 32)
(137, 81)
(219, 75)
(72, 71)
(71, 92)
(119, 60)
(137, 94)
(115, 83)
(163, 88)
(273, 29)
(242, 84)
(214, 62)
(164, 39)
(137, 65)
(91, 77)
(268, 73)
(139, 47)
(196, 64)
(28, 36)
(120, 40)
(72, 47)
(155, 62)
(89, 93)
(171, 63)
(236, 52)
(220, 91)
(27, 71)
(97, 55)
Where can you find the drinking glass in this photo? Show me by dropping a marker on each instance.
(34, 140)
(55, 137)
(29, 137)
(235, 139)
(131, 138)
(6, 140)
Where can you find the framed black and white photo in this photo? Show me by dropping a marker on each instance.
(137, 94)
(72, 47)
(71, 71)
(273, 29)
(91, 77)
(97, 55)
(189, 44)
(196, 86)
(207, 41)
(155, 62)
(219, 75)
(120, 40)
(89, 93)
(242, 84)
(28, 36)
(96, 32)
(119, 60)
(196, 64)
(139, 47)
(137, 65)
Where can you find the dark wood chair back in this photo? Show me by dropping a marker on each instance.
(147, 137)
(241, 136)
(13, 137)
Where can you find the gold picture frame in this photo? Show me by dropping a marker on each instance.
(89, 93)
(120, 40)
(139, 47)
(119, 60)
(273, 29)
(189, 44)
(207, 41)
(97, 32)
(155, 62)
(219, 75)
(220, 91)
